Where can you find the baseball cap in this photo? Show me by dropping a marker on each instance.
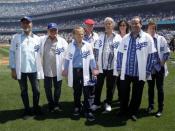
(89, 22)
(28, 18)
(52, 26)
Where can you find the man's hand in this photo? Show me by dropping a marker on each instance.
(65, 73)
(95, 72)
(162, 63)
(13, 74)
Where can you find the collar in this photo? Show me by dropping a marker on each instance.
(75, 43)
(155, 36)
(138, 36)
(113, 34)
(91, 35)
(56, 38)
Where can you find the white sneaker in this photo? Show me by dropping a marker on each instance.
(94, 107)
(108, 107)
(159, 114)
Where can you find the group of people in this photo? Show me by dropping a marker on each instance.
(126, 60)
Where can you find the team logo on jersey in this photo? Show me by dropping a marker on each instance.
(70, 56)
(125, 47)
(115, 45)
(36, 48)
(139, 46)
(100, 43)
(161, 49)
(17, 45)
(58, 51)
(85, 54)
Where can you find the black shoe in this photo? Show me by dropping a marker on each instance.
(150, 110)
(26, 114)
(37, 111)
(58, 108)
(50, 108)
(90, 117)
(120, 114)
(134, 118)
(76, 112)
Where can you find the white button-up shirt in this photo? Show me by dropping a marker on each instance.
(28, 61)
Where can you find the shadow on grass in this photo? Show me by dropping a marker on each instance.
(105, 120)
(143, 113)
(109, 119)
(11, 115)
(65, 113)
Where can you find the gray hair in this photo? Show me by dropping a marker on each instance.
(109, 19)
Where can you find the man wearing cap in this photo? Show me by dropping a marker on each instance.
(91, 37)
(25, 63)
(53, 48)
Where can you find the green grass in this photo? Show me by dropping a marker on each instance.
(4, 51)
(11, 109)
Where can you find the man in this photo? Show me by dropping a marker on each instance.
(79, 60)
(135, 62)
(92, 38)
(105, 53)
(160, 69)
(53, 48)
(26, 63)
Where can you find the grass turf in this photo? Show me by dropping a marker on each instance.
(11, 109)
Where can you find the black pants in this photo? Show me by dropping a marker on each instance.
(157, 78)
(118, 87)
(53, 100)
(133, 105)
(24, 89)
(110, 85)
(78, 87)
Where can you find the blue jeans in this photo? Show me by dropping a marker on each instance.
(52, 100)
(24, 89)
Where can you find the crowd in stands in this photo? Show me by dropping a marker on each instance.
(10, 8)
(25, 7)
(14, 9)
(69, 24)
(20, 1)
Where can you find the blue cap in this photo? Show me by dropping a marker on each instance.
(52, 26)
(28, 18)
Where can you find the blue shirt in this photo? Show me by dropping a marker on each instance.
(77, 59)
(157, 66)
(131, 62)
(28, 61)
